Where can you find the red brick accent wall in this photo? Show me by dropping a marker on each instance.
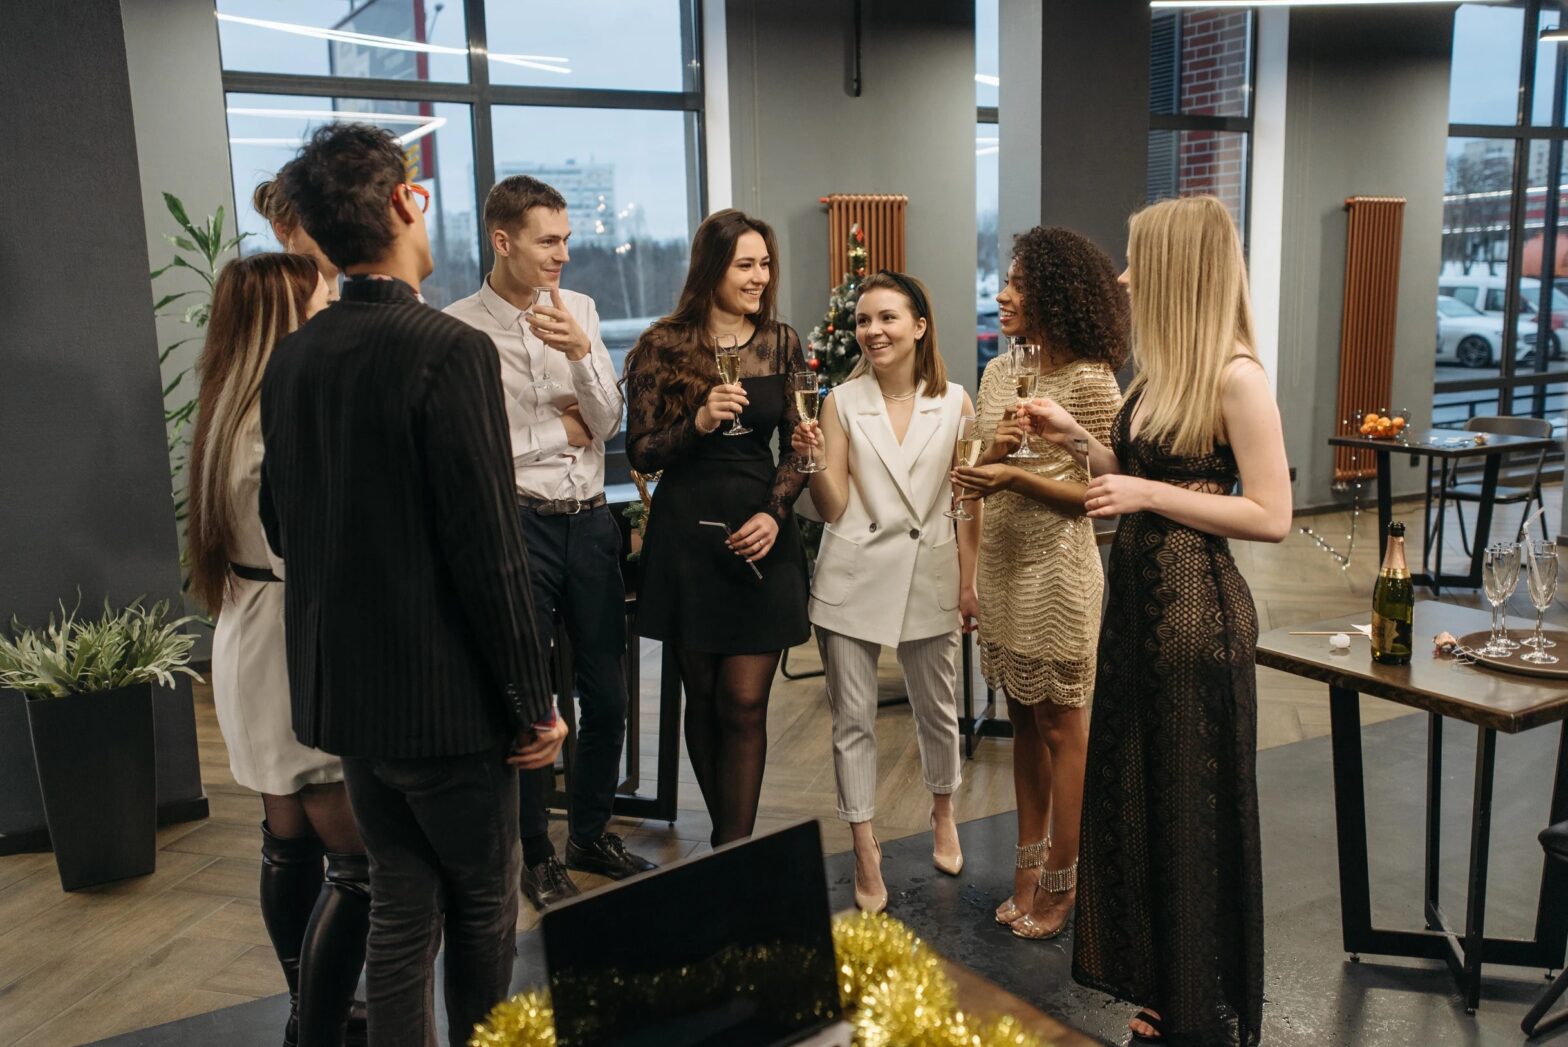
(1216, 64)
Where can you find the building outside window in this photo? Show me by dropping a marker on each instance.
(605, 105)
(1201, 72)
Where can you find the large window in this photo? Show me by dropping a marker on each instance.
(1200, 105)
(604, 102)
(988, 181)
(1502, 293)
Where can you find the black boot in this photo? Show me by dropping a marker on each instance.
(334, 954)
(290, 886)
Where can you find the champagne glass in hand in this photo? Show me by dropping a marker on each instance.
(727, 356)
(1025, 360)
(967, 453)
(1541, 564)
(808, 397)
(546, 384)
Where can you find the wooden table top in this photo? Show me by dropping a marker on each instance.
(1435, 443)
(1485, 697)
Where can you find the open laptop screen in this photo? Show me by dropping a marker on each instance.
(731, 948)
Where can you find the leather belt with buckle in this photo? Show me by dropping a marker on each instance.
(560, 506)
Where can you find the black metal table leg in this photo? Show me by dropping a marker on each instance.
(1551, 911)
(1385, 501)
(1480, 848)
(1350, 820)
(1483, 517)
(1434, 815)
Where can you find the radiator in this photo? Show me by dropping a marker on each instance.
(880, 216)
(1366, 339)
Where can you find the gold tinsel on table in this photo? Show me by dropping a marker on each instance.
(891, 983)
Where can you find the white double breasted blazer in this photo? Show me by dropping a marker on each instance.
(887, 570)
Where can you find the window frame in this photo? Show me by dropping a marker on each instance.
(1522, 133)
(480, 95)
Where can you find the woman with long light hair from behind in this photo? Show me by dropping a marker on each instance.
(317, 925)
(1170, 904)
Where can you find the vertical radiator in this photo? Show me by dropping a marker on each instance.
(880, 216)
(1366, 339)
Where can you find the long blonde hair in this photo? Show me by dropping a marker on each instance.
(1190, 311)
(255, 302)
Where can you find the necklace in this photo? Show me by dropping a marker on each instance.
(899, 398)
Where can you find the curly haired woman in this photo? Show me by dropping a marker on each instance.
(1040, 579)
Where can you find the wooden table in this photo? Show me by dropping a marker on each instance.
(1490, 700)
(1436, 445)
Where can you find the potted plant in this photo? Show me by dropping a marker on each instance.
(89, 689)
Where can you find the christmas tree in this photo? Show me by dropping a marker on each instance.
(833, 349)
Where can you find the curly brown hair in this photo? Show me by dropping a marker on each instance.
(1070, 294)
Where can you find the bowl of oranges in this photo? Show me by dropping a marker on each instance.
(1382, 426)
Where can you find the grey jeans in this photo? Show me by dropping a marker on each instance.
(442, 838)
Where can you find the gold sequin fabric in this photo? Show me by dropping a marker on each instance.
(1039, 575)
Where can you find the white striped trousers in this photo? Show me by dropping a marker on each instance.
(931, 676)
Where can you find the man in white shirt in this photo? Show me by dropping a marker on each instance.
(562, 404)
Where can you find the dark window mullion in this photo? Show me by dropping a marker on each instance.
(484, 132)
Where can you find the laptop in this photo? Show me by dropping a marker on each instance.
(668, 959)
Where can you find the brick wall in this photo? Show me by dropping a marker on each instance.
(1216, 66)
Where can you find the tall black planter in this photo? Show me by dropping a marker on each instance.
(98, 775)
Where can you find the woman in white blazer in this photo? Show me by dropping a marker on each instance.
(891, 571)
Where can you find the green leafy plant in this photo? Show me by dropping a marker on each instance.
(199, 247)
(78, 655)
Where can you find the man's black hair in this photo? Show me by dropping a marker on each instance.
(341, 184)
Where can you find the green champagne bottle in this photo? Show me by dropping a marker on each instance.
(1393, 603)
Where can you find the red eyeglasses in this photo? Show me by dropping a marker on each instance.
(419, 191)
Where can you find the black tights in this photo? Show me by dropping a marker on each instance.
(321, 811)
(727, 734)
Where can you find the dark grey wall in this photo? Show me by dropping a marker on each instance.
(87, 503)
(1094, 136)
(797, 134)
(1367, 115)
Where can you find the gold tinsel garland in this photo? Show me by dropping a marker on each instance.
(891, 984)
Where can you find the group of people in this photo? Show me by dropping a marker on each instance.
(391, 507)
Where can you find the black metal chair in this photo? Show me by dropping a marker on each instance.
(1519, 482)
(1554, 840)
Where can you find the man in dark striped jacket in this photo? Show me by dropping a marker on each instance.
(387, 490)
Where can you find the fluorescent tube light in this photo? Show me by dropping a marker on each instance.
(548, 63)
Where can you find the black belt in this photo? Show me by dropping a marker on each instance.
(253, 574)
(560, 506)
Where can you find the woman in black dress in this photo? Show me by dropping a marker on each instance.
(1170, 904)
(729, 598)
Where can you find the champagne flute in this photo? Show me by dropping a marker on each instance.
(1025, 359)
(1541, 563)
(1537, 641)
(546, 383)
(1493, 572)
(967, 453)
(727, 356)
(808, 397)
(1509, 581)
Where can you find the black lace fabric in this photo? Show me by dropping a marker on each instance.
(773, 353)
(1170, 904)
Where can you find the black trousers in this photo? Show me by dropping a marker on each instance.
(442, 843)
(575, 564)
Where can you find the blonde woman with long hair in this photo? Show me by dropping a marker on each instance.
(317, 923)
(1170, 908)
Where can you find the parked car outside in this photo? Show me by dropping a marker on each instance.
(988, 333)
(1486, 294)
(1471, 338)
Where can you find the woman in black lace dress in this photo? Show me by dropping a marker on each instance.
(1170, 903)
(732, 598)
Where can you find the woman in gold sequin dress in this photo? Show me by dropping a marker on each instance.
(1039, 573)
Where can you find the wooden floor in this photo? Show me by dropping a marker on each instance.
(189, 938)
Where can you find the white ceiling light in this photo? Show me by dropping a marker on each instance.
(1554, 34)
(548, 63)
(988, 80)
(424, 124)
(1300, 3)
